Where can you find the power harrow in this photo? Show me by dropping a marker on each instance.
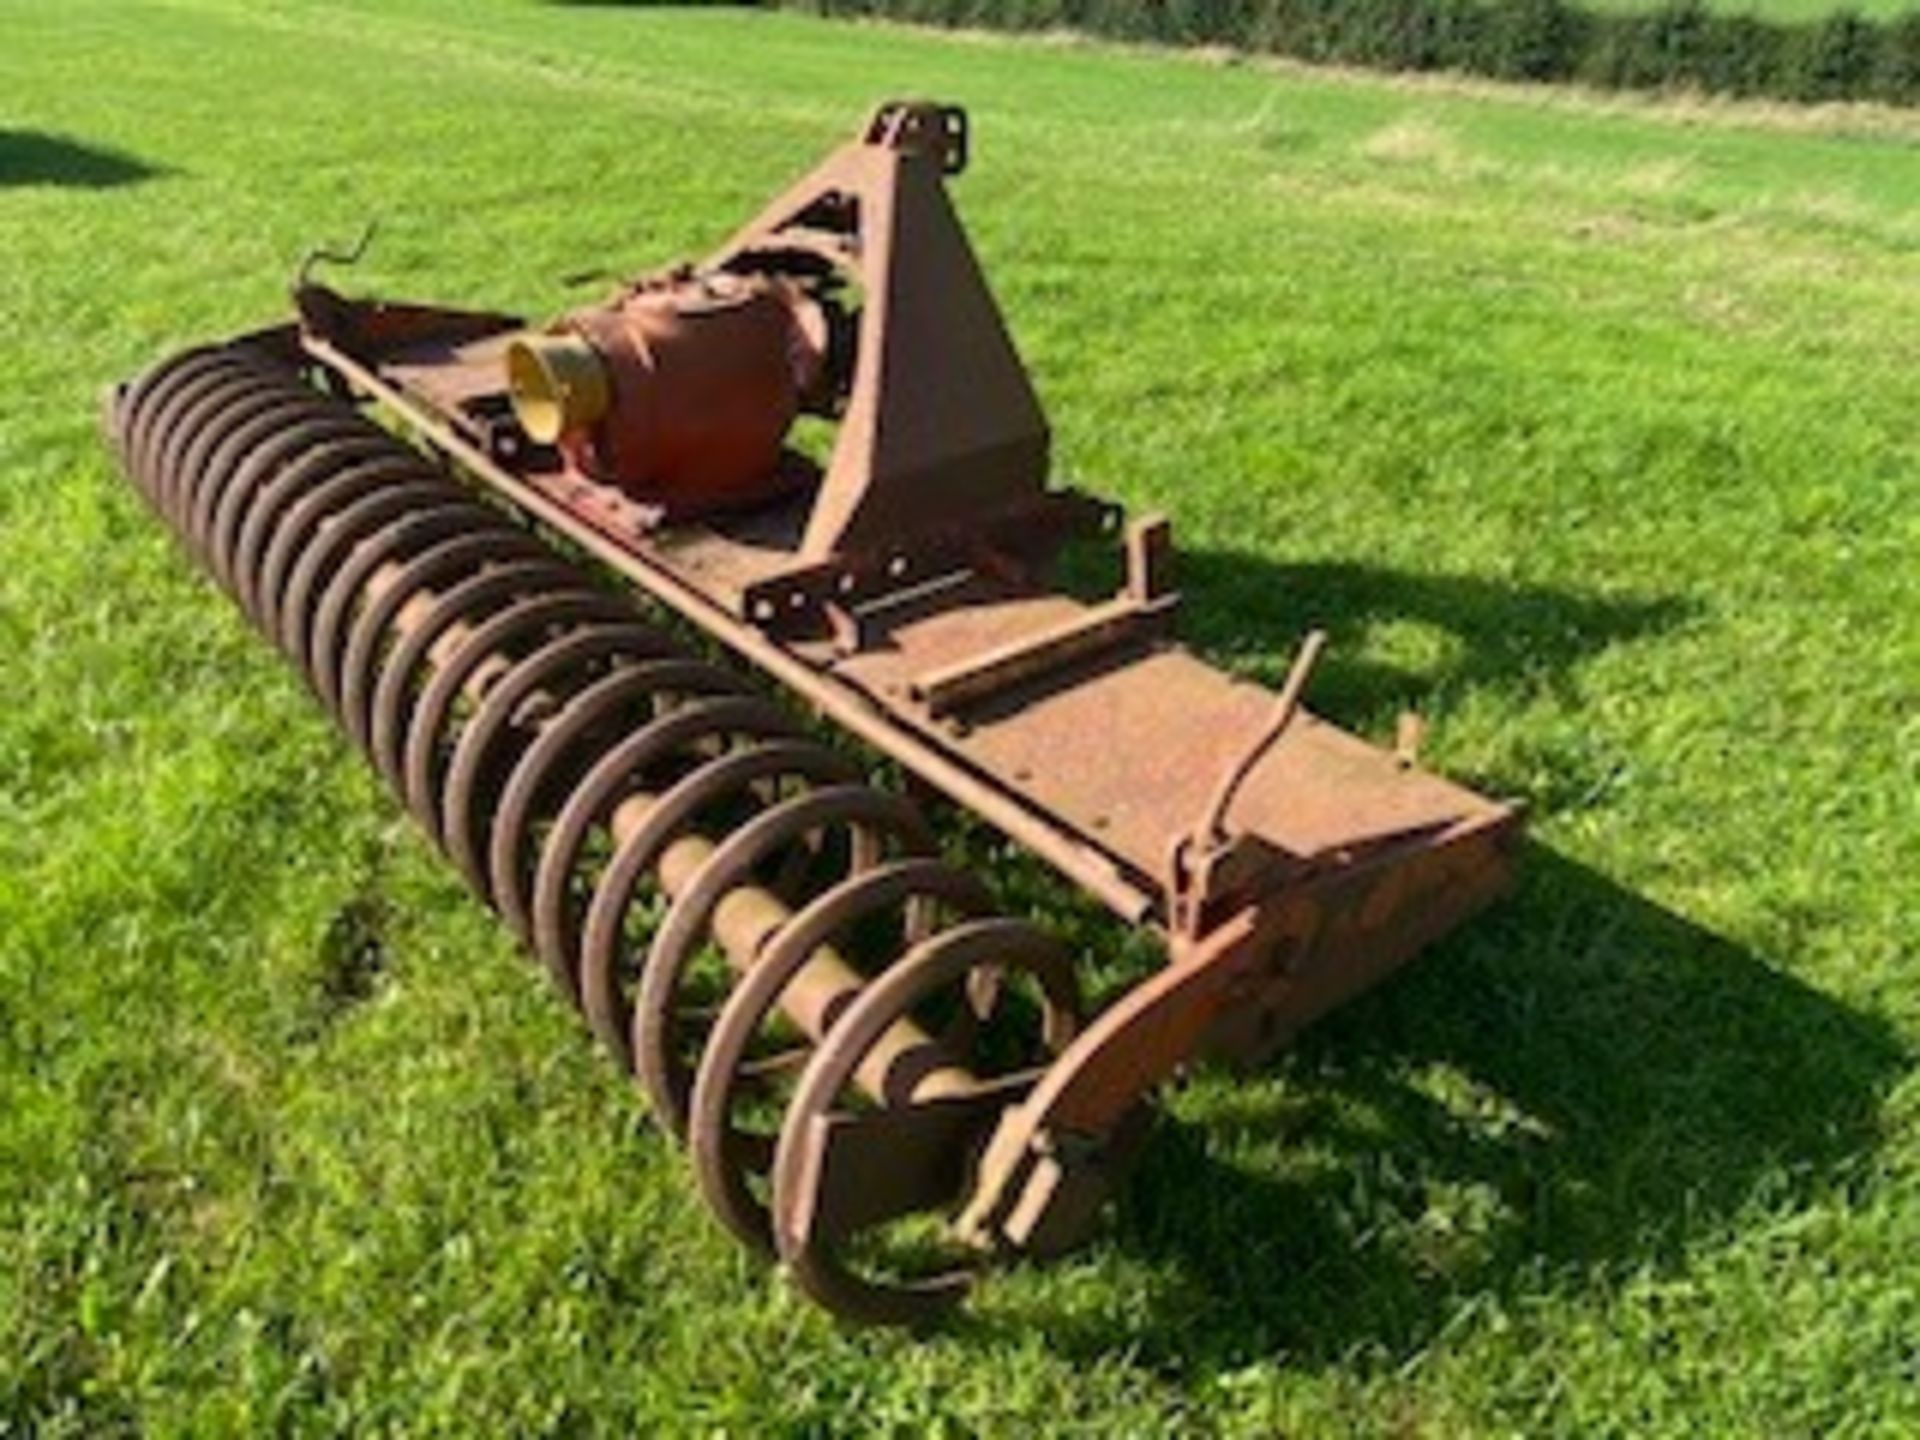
(446, 519)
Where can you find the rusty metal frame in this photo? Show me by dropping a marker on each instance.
(1132, 899)
(906, 595)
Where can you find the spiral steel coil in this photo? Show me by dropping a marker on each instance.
(811, 955)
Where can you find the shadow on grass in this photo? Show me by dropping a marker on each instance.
(1618, 1083)
(1500, 634)
(1577, 1084)
(30, 157)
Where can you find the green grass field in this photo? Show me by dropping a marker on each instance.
(1587, 428)
(1782, 9)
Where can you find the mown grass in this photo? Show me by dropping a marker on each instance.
(1591, 434)
(1782, 9)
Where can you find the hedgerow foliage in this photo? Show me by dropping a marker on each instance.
(1680, 45)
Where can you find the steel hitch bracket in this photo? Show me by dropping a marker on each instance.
(816, 447)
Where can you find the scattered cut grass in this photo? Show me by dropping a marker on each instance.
(1590, 434)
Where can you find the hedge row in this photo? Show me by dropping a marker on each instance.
(1681, 45)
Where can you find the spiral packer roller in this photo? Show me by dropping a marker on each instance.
(883, 1083)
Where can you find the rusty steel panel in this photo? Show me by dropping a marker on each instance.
(1126, 748)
